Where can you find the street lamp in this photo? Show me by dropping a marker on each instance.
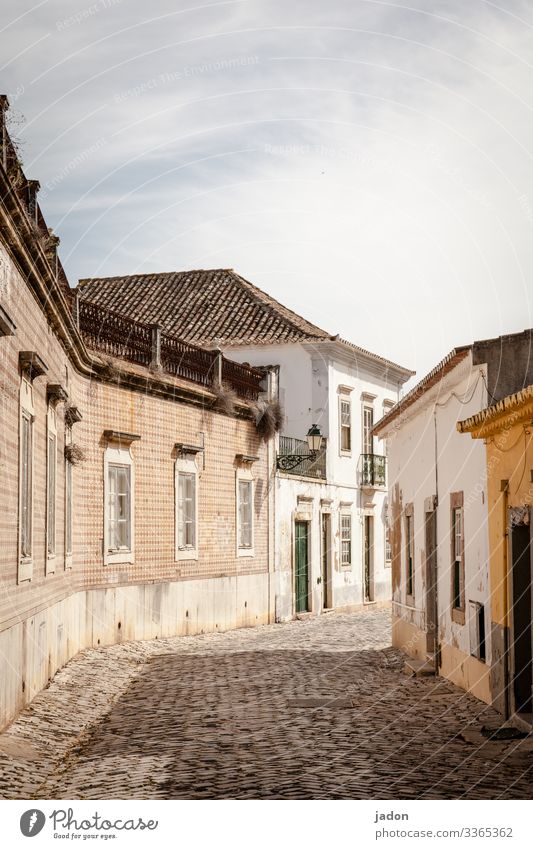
(286, 462)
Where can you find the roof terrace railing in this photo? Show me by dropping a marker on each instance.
(120, 336)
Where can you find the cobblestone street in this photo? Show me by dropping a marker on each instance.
(312, 709)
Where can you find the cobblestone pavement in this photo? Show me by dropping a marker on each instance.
(313, 709)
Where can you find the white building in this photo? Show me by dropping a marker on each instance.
(328, 547)
(330, 514)
(438, 510)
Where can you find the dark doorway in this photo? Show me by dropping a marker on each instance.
(369, 558)
(327, 593)
(521, 653)
(431, 582)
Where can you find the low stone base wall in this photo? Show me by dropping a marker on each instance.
(461, 669)
(467, 672)
(33, 650)
(408, 638)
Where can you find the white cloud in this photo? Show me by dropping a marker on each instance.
(368, 164)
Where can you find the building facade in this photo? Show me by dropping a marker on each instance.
(135, 499)
(505, 430)
(329, 514)
(439, 511)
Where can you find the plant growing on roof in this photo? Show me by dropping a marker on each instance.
(74, 454)
(268, 417)
(225, 398)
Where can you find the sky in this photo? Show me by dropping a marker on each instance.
(367, 163)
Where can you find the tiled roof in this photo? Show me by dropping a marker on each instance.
(434, 376)
(202, 307)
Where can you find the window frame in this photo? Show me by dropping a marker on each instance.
(26, 414)
(185, 466)
(409, 547)
(345, 565)
(343, 428)
(457, 558)
(478, 635)
(244, 476)
(69, 513)
(387, 545)
(51, 491)
(116, 457)
(367, 406)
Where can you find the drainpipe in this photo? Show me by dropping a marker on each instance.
(436, 557)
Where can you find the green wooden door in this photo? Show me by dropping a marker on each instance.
(301, 567)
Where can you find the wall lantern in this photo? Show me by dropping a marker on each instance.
(286, 462)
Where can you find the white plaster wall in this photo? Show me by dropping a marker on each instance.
(461, 466)
(296, 382)
(347, 585)
(345, 470)
(309, 381)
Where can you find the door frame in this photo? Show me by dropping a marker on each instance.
(371, 556)
(511, 583)
(304, 520)
(327, 585)
(431, 583)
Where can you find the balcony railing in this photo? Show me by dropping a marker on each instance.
(315, 468)
(373, 470)
(120, 336)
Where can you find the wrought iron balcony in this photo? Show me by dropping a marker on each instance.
(373, 470)
(314, 467)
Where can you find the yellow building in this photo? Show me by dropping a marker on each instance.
(507, 429)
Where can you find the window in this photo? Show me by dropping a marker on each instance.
(368, 424)
(245, 514)
(26, 484)
(186, 508)
(477, 630)
(388, 548)
(51, 474)
(68, 513)
(346, 425)
(118, 505)
(119, 515)
(409, 552)
(25, 571)
(457, 546)
(346, 541)
(245, 527)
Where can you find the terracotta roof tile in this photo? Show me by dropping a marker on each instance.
(202, 307)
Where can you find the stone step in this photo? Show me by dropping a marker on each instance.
(419, 668)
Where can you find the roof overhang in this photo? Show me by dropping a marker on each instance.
(434, 377)
(513, 410)
(350, 354)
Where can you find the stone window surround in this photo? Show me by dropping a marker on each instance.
(116, 453)
(458, 613)
(244, 473)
